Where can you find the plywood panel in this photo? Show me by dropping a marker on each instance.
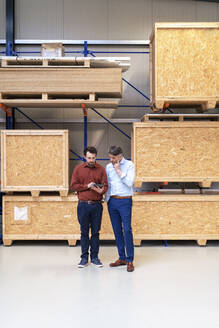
(56, 81)
(34, 160)
(176, 151)
(184, 57)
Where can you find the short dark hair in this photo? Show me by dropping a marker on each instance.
(91, 150)
(114, 150)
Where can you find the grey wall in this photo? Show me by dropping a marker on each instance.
(101, 19)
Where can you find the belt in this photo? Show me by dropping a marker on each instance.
(90, 201)
(121, 197)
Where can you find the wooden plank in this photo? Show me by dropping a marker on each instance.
(59, 103)
(66, 62)
(57, 81)
(183, 25)
(176, 151)
(35, 160)
(184, 61)
(179, 117)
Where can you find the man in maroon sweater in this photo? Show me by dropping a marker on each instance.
(90, 181)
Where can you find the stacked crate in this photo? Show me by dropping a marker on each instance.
(37, 161)
(176, 151)
(33, 161)
(183, 72)
(184, 65)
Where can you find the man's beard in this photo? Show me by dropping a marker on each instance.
(91, 164)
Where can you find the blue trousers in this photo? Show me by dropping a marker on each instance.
(120, 211)
(89, 216)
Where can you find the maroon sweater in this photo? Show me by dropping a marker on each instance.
(83, 175)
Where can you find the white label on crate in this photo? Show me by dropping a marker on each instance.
(20, 213)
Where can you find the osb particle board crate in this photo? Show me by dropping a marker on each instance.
(35, 160)
(55, 87)
(184, 64)
(48, 218)
(160, 217)
(176, 217)
(176, 151)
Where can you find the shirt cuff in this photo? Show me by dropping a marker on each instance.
(123, 175)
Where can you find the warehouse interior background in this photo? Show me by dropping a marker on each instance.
(40, 284)
(119, 21)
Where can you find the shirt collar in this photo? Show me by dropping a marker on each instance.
(85, 165)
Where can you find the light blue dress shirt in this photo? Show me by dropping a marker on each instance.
(120, 186)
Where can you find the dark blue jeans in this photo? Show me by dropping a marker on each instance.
(90, 216)
(120, 211)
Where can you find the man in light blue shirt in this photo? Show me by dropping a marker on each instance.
(120, 175)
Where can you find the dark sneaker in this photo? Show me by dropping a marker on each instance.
(83, 263)
(97, 262)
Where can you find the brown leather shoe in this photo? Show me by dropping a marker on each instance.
(117, 263)
(130, 267)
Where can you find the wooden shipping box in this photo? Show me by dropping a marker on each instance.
(48, 218)
(176, 217)
(176, 151)
(35, 160)
(184, 64)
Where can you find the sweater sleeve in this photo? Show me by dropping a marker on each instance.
(76, 184)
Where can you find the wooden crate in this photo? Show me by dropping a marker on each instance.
(55, 87)
(176, 217)
(52, 50)
(35, 160)
(183, 64)
(48, 218)
(160, 217)
(176, 151)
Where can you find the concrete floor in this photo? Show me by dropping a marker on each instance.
(174, 286)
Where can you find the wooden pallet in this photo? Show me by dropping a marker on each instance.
(204, 103)
(55, 100)
(63, 62)
(179, 117)
(176, 152)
